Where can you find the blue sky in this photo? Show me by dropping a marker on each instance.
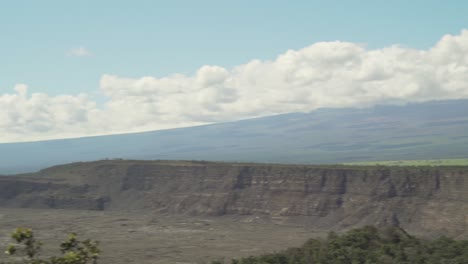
(157, 38)
(82, 68)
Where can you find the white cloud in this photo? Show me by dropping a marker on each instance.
(79, 52)
(21, 89)
(326, 74)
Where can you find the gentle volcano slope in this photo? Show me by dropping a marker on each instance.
(433, 130)
(427, 200)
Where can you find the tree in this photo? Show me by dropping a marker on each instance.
(74, 251)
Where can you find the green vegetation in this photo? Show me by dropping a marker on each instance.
(27, 250)
(437, 162)
(368, 245)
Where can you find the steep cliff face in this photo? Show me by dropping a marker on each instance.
(422, 200)
(42, 193)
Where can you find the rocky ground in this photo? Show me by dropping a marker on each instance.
(147, 238)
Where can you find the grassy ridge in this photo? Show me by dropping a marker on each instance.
(435, 162)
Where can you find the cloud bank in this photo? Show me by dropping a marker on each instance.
(325, 74)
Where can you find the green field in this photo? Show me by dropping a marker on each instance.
(435, 162)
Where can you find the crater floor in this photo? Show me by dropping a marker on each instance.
(149, 238)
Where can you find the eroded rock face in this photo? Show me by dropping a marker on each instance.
(419, 199)
(33, 193)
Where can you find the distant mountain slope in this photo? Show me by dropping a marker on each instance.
(432, 130)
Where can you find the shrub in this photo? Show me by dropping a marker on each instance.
(28, 249)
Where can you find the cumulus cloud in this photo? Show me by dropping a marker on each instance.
(325, 74)
(79, 52)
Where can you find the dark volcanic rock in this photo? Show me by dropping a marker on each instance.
(430, 200)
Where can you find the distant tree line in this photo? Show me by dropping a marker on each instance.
(368, 245)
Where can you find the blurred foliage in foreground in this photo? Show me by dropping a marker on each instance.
(27, 250)
(368, 245)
